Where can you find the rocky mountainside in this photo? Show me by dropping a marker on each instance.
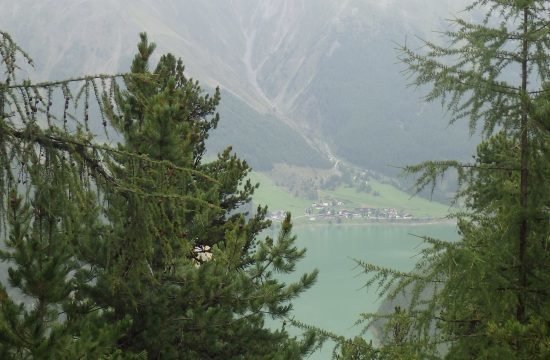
(323, 72)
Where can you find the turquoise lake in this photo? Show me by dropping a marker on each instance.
(338, 298)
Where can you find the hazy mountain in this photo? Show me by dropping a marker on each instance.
(323, 73)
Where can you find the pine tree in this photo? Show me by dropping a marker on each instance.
(181, 306)
(486, 296)
(139, 250)
(42, 250)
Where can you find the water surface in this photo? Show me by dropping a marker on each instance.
(339, 296)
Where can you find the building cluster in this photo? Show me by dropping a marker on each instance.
(367, 213)
(334, 210)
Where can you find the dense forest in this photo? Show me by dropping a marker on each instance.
(129, 243)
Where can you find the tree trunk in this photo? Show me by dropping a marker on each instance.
(524, 141)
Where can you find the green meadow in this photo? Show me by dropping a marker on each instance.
(387, 196)
(276, 197)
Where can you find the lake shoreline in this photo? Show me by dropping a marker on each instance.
(419, 222)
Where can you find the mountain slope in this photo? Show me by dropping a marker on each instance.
(325, 69)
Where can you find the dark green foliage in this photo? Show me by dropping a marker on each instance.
(103, 242)
(47, 231)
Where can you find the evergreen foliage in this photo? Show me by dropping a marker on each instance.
(485, 296)
(139, 250)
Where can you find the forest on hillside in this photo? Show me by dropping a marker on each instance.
(129, 244)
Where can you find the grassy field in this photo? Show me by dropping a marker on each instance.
(278, 198)
(390, 197)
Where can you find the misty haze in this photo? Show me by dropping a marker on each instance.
(275, 179)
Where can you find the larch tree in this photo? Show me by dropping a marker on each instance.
(139, 250)
(486, 295)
